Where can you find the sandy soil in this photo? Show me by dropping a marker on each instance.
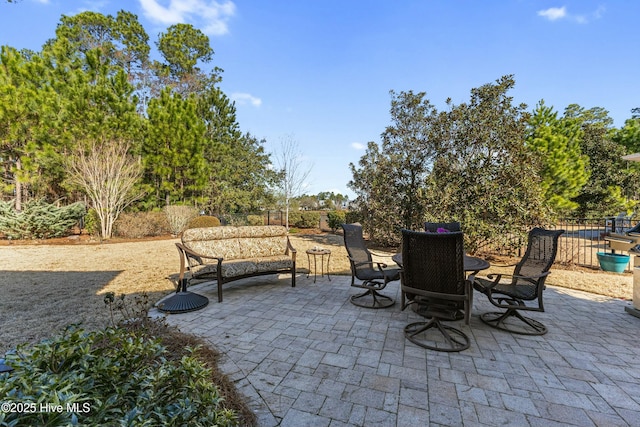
(44, 287)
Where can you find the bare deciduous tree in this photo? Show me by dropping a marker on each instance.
(108, 175)
(293, 172)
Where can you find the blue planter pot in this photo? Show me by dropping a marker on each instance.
(616, 263)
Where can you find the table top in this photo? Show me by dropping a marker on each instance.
(318, 251)
(471, 263)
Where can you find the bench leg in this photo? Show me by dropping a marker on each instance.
(293, 275)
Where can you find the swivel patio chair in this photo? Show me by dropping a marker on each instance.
(374, 276)
(525, 284)
(433, 227)
(433, 281)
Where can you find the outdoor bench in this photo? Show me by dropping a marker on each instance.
(231, 253)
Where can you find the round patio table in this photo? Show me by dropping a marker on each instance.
(471, 263)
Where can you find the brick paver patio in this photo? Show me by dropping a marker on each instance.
(306, 356)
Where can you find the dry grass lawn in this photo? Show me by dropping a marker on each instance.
(44, 287)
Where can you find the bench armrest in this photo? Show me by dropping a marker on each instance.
(192, 259)
(291, 250)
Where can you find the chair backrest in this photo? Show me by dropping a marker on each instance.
(542, 247)
(433, 262)
(433, 227)
(359, 255)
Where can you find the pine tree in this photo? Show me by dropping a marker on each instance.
(564, 167)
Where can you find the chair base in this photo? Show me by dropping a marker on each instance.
(520, 324)
(371, 299)
(450, 339)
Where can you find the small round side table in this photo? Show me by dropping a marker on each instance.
(315, 252)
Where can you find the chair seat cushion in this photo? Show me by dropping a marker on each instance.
(520, 290)
(242, 267)
(390, 274)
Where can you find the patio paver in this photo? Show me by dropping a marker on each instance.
(306, 356)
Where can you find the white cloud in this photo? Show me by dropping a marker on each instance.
(244, 98)
(358, 146)
(553, 13)
(585, 19)
(211, 16)
(556, 13)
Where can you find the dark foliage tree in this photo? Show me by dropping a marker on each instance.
(609, 180)
(603, 195)
(469, 164)
(484, 175)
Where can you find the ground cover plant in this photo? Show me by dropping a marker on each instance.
(139, 372)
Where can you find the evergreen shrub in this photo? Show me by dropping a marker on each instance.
(335, 219)
(92, 222)
(304, 219)
(115, 376)
(39, 219)
(255, 219)
(310, 220)
(295, 217)
(204, 221)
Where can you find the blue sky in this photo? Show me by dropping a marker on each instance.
(320, 72)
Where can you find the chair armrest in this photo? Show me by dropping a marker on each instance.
(372, 264)
(381, 265)
(496, 277)
(535, 276)
(380, 254)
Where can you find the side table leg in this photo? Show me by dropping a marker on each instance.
(315, 268)
(328, 260)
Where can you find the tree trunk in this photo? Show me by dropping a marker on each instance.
(18, 184)
(286, 212)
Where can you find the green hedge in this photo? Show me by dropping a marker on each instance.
(204, 221)
(304, 219)
(255, 219)
(335, 219)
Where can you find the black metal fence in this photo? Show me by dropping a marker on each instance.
(579, 245)
(278, 218)
(582, 240)
(273, 217)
